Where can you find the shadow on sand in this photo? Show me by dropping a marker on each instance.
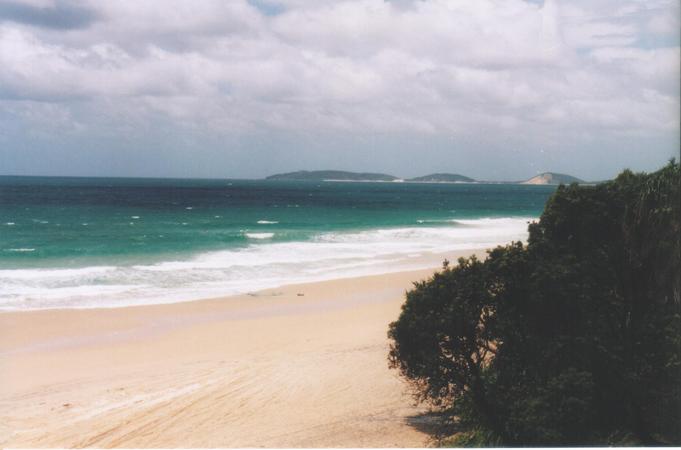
(437, 425)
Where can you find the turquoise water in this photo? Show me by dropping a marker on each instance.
(136, 241)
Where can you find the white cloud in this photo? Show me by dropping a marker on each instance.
(455, 67)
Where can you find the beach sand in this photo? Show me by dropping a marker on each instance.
(297, 366)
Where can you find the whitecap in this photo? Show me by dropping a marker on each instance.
(259, 235)
(267, 222)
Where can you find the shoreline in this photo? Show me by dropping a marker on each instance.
(424, 261)
(259, 265)
(299, 365)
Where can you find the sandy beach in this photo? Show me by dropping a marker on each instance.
(301, 365)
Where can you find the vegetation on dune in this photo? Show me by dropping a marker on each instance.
(572, 339)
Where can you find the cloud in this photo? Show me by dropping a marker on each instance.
(60, 15)
(452, 68)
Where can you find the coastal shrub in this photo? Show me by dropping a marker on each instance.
(572, 339)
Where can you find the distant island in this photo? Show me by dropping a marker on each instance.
(442, 178)
(553, 178)
(546, 178)
(331, 175)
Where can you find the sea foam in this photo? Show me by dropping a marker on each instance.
(265, 263)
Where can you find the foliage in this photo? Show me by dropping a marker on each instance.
(572, 339)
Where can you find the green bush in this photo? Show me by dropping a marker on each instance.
(572, 339)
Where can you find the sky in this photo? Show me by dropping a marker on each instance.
(492, 89)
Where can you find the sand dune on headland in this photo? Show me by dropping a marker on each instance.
(276, 369)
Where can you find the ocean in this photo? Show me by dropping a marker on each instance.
(109, 242)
